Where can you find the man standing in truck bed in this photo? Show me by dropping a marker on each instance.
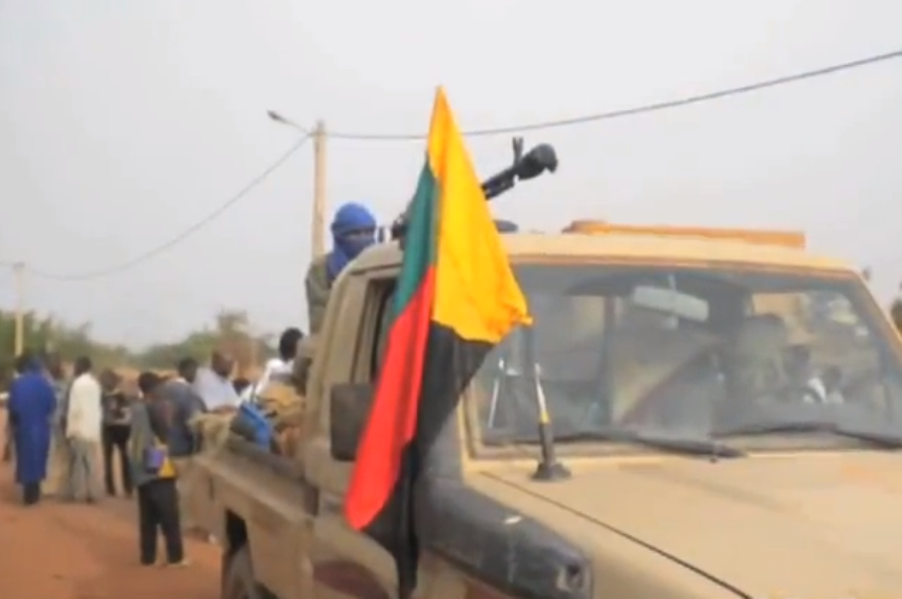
(353, 230)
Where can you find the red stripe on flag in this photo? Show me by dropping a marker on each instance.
(393, 417)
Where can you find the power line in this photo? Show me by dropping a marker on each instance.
(655, 107)
(184, 234)
(637, 110)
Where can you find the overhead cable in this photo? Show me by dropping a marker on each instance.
(184, 234)
(636, 110)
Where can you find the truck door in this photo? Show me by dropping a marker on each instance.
(345, 563)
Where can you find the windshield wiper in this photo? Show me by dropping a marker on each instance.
(884, 439)
(673, 443)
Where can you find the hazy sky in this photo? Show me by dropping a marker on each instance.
(122, 123)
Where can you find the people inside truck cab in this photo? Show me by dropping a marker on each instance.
(830, 388)
(280, 367)
(752, 358)
(214, 384)
(807, 384)
(802, 383)
(353, 230)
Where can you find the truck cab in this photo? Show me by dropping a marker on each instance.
(717, 436)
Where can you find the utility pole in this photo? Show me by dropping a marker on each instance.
(318, 222)
(19, 276)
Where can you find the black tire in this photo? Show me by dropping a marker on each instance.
(238, 581)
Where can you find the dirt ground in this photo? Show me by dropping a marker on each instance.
(63, 551)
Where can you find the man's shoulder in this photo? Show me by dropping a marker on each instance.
(276, 366)
(318, 268)
(86, 381)
(176, 389)
(204, 378)
(32, 377)
(17, 383)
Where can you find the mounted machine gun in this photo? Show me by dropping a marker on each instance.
(536, 162)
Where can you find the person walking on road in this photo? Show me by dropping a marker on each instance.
(154, 473)
(115, 433)
(31, 406)
(56, 484)
(83, 431)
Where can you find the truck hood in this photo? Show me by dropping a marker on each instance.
(812, 525)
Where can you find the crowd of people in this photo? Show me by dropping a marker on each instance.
(68, 435)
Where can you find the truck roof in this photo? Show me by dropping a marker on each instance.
(551, 246)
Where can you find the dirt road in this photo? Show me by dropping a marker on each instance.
(61, 551)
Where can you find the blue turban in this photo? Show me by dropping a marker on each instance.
(350, 218)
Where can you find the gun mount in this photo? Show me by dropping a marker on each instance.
(532, 164)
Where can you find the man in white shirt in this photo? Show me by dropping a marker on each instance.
(280, 368)
(214, 384)
(83, 432)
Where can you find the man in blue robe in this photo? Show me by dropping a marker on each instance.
(32, 402)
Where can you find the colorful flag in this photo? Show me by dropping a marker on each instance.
(456, 297)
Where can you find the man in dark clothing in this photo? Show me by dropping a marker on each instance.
(158, 496)
(115, 433)
(186, 403)
(187, 369)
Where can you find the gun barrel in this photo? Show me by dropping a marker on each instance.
(537, 161)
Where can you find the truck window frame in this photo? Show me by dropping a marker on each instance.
(380, 287)
(383, 326)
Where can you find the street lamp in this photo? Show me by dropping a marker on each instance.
(278, 118)
(317, 224)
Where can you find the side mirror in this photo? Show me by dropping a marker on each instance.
(349, 407)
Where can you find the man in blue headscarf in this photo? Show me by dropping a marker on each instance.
(32, 402)
(353, 230)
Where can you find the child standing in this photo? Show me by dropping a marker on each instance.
(154, 475)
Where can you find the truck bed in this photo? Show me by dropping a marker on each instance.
(246, 481)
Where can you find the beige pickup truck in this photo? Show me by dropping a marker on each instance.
(704, 448)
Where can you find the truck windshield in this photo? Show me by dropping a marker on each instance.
(736, 353)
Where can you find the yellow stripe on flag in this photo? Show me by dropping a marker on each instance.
(476, 294)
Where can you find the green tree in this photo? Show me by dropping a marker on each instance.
(230, 330)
